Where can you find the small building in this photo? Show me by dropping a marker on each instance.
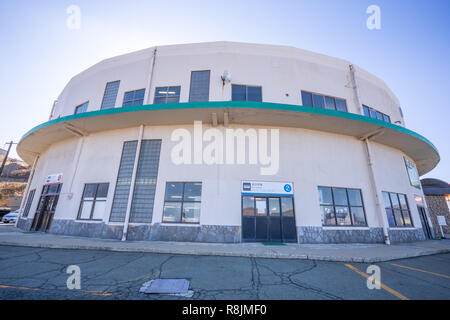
(437, 196)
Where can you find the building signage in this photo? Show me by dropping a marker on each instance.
(412, 172)
(441, 220)
(54, 178)
(268, 188)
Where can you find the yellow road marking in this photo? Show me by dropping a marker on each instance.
(14, 287)
(391, 291)
(95, 293)
(420, 270)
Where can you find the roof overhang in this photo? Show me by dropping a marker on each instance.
(417, 147)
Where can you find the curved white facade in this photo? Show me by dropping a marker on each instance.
(320, 150)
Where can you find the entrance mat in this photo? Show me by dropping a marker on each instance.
(274, 243)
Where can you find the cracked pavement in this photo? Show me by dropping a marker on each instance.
(37, 273)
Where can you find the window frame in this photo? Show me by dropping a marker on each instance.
(401, 209)
(324, 97)
(166, 96)
(94, 201)
(80, 105)
(371, 110)
(246, 91)
(134, 98)
(104, 95)
(190, 85)
(349, 206)
(182, 201)
(29, 202)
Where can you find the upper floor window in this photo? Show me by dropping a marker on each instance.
(397, 209)
(167, 95)
(109, 98)
(134, 98)
(199, 90)
(93, 201)
(372, 113)
(81, 108)
(182, 202)
(325, 102)
(246, 93)
(341, 207)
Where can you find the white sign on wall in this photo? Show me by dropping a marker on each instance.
(414, 178)
(54, 178)
(267, 188)
(441, 220)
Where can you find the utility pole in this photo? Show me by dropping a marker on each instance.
(6, 157)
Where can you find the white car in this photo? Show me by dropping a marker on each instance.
(11, 217)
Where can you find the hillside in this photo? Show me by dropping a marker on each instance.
(13, 179)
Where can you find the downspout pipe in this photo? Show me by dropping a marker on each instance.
(356, 88)
(382, 217)
(133, 181)
(150, 76)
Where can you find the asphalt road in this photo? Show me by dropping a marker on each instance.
(36, 273)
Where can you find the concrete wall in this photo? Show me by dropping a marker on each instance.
(283, 72)
(307, 158)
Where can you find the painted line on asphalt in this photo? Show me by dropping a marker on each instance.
(391, 291)
(420, 270)
(95, 293)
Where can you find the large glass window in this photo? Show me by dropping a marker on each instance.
(341, 207)
(134, 98)
(325, 102)
(199, 90)
(167, 95)
(81, 108)
(246, 93)
(182, 202)
(26, 211)
(93, 201)
(397, 209)
(109, 98)
(372, 113)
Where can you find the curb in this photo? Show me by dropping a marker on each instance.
(271, 255)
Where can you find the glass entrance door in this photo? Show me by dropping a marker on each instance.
(46, 208)
(268, 219)
(424, 220)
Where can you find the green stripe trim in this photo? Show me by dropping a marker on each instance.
(233, 104)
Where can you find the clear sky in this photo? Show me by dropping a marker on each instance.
(411, 52)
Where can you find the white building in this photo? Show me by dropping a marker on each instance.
(340, 164)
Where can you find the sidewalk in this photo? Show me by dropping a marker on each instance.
(367, 253)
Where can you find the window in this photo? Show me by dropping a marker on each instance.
(341, 207)
(397, 209)
(167, 95)
(199, 90)
(145, 184)
(81, 108)
(93, 201)
(182, 202)
(109, 98)
(372, 113)
(123, 184)
(324, 102)
(246, 93)
(134, 98)
(26, 211)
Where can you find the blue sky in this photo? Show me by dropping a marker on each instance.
(411, 52)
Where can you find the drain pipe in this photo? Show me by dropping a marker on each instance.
(133, 180)
(27, 189)
(382, 217)
(150, 76)
(355, 88)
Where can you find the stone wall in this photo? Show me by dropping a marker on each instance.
(437, 206)
(321, 235)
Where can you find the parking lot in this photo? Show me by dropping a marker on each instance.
(38, 273)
